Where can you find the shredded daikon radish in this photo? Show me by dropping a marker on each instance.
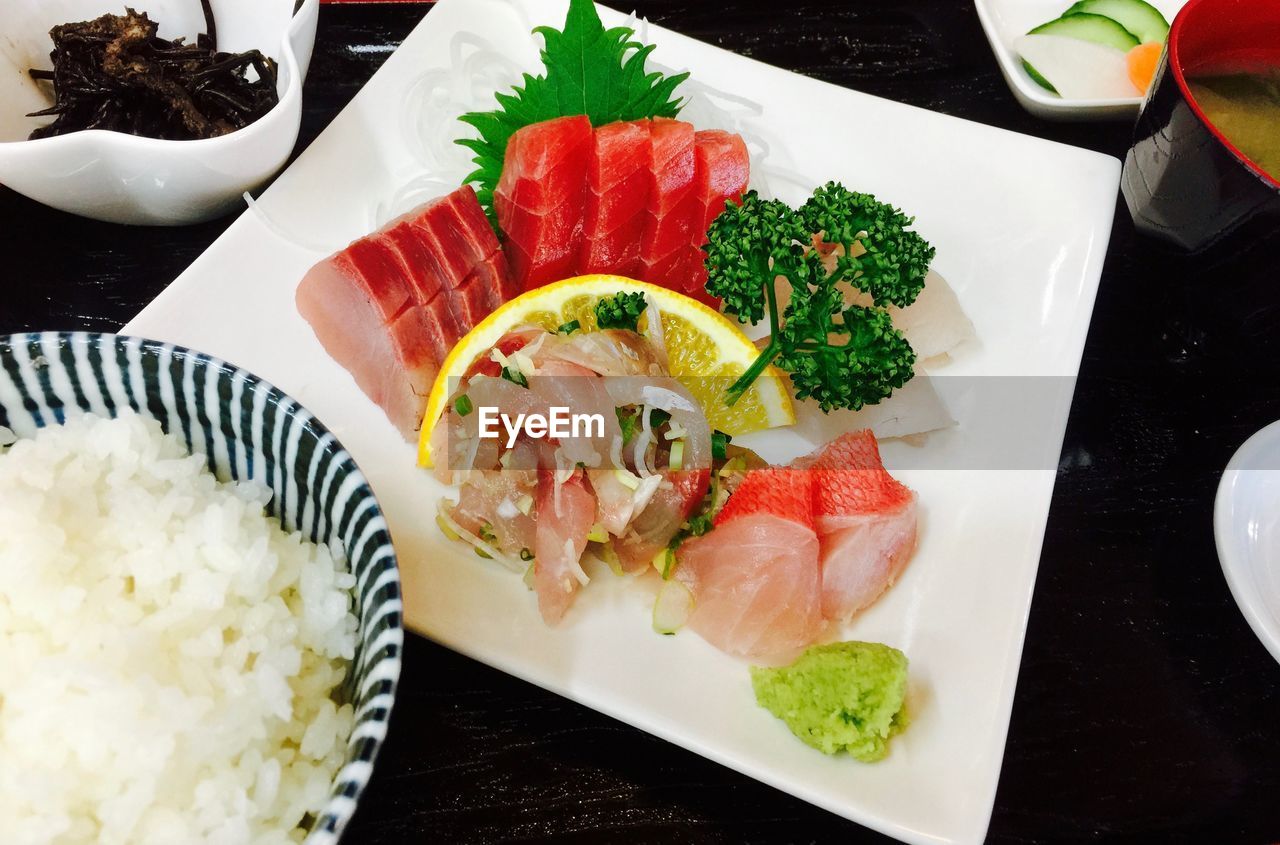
(575, 566)
(280, 232)
(639, 453)
(615, 452)
(657, 337)
(644, 494)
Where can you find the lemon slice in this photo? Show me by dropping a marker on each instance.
(706, 351)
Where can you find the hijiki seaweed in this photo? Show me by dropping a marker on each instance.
(115, 73)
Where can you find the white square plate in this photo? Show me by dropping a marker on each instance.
(1006, 20)
(1021, 227)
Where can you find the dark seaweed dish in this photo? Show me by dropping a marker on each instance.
(115, 73)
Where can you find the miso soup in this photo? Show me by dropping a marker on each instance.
(1245, 107)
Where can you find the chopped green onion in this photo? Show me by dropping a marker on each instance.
(462, 405)
(611, 557)
(676, 459)
(672, 607)
(627, 422)
(514, 376)
(720, 445)
(597, 534)
(628, 478)
(621, 311)
(665, 562)
(482, 553)
(486, 533)
(525, 554)
(569, 327)
(443, 525)
(699, 524)
(733, 465)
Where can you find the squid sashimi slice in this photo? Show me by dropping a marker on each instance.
(1078, 69)
(721, 171)
(566, 513)
(616, 200)
(672, 204)
(539, 199)
(756, 586)
(866, 522)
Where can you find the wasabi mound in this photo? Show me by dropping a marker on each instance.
(839, 697)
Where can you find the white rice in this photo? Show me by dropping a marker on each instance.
(167, 652)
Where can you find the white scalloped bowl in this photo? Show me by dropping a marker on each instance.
(121, 178)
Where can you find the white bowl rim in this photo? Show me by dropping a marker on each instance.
(1233, 558)
(139, 143)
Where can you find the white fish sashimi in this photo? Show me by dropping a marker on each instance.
(1078, 69)
(914, 408)
(935, 323)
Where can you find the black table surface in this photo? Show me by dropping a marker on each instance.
(1145, 711)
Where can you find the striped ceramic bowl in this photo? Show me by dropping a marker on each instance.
(248, 430)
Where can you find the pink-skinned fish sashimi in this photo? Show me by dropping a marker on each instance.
(390, 306)
(866, 523)
(755, 578)
(539, 199)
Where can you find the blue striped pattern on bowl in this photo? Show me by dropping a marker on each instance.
(247, 429)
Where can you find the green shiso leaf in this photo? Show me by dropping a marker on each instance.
(590, 70)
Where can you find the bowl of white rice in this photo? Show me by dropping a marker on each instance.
(199, 603)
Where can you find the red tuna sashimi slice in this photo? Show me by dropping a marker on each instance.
(539, 199)
(352, 301)
(365, 271)
(417, 350)
(565, 517)
(756, 586)
(866, 522)
(616, 200)
(721, 172)
(385, 309)
(488, 286)
(672, 204)
(406, 241)
(457, 234)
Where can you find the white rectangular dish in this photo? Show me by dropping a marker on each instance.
(1021, 228)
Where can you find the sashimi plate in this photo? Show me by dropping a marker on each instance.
(1021, 228)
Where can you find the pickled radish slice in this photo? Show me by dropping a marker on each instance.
(1078, 69)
